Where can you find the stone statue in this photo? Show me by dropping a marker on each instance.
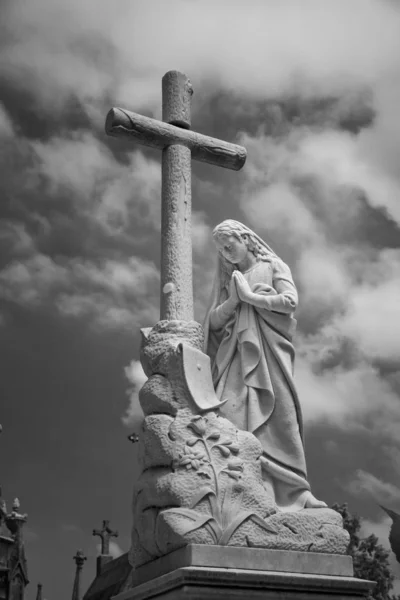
(226, 467)
(249, 328)
(205, 478)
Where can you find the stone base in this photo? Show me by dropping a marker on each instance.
(219, 572)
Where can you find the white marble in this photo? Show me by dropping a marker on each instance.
(249, 336)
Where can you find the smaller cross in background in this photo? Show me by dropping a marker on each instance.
(105, 534)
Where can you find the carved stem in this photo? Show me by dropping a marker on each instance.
(212, 467)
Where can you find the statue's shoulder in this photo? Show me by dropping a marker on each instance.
(280, 269)
(264, 267)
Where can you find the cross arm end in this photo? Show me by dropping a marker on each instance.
(116, 118)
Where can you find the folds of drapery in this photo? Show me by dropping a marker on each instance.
(253, 367)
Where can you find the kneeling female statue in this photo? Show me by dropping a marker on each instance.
(249, 329)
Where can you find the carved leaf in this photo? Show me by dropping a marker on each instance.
(214, 435)
(223, 449)
(207, 492)
(201, 494)
(257, 519)
(215, 529)
(195, 519)
(191, 441)
(238, 520)
(233, 525)
(226, 509)
(226, 442)
(204, 474)
(232, 474)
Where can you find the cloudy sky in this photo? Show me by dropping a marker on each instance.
(312, 89)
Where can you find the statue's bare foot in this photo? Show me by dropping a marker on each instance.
(312, 502)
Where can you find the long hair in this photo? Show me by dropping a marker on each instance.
(224, 271)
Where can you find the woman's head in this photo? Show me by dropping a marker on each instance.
(233, 248)
(234, 240)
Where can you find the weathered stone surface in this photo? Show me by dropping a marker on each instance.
(202, 479)
(179, 146)
(202, 483)
(308, 530)
(158, 351)
(255, 559)
(156, 397)
(156, 134)
(173, 349)
(177, 92)
(216, 583)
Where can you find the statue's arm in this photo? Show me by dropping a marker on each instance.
(222, 313)
(284, 300)
(284, 285)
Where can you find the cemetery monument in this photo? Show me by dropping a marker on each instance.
(223, 507)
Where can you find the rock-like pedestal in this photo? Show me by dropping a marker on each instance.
(205, 521)
(197, 571)
(201, 480)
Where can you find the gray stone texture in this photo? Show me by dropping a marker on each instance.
(177, 92)
(201, 480)
(156, 134)
(256, 559)
(176, 246)
(179, 146)
(197, 583)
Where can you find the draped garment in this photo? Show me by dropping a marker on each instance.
(252, 364)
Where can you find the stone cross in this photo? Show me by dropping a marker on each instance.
(105, 534)
(179, 145)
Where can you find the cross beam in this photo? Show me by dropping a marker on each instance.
(156, 134)
(179, 145)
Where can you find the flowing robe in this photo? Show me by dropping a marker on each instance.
(252, 364)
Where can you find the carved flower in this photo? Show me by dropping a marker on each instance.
(198, 425)
(191, 459)
(234, 469)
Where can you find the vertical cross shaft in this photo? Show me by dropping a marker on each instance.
(179, 147)
(176, 200)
